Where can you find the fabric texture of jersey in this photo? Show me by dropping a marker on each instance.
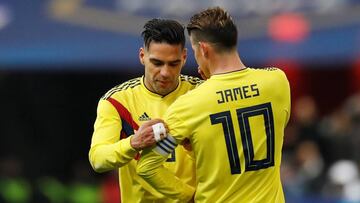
(120, 112)
(235, 122)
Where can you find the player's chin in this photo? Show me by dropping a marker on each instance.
(163, 90)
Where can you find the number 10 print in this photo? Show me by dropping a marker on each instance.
(243, 115)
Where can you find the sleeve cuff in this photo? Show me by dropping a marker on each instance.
(126, 148)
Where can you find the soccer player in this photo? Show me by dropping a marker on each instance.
(235, 122)
(117, 138)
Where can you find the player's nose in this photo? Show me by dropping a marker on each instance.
(165, 71)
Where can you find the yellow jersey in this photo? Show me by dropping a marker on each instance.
(235, 122)
(119, 113)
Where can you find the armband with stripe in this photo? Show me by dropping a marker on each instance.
(166, 146)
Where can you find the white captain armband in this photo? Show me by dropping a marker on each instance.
(166, 146)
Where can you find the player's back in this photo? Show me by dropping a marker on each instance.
(237, 123)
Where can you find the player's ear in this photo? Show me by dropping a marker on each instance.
(141, 55)
(204, 49)
(184, 54)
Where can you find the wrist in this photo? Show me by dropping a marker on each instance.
(133, 143)
(126, 149)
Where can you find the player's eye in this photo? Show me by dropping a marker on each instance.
(158, 64)
(174, 64)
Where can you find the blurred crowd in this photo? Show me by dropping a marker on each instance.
(321, 162)
(321, 154)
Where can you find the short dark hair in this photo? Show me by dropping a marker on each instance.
(163, 30)
(214, 25)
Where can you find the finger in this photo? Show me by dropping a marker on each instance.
(154, 121)
(150, 141)
(162, 135)
(166, 127)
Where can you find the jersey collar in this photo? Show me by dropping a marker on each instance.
(231, 73)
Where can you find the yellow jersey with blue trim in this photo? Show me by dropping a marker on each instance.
(119, 113)
(235, 122)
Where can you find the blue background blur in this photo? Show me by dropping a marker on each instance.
(80, 32)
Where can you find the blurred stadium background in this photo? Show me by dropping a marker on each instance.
(57, 58)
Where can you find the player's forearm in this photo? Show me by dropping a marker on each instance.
(150, 168)
(105, 157)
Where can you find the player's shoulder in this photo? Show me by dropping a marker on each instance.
(191, 80)
(125, 86)
(196, 90)
(270, 71)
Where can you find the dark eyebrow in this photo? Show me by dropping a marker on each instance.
(175, 61)
(154, 60)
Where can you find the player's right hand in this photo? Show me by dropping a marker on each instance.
(144, 136)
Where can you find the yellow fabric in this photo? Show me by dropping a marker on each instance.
(109, 152)
(252, 105)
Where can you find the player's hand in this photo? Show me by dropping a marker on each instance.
(186, 144)
(144, 136)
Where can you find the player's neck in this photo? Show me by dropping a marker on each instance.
(223, 63)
